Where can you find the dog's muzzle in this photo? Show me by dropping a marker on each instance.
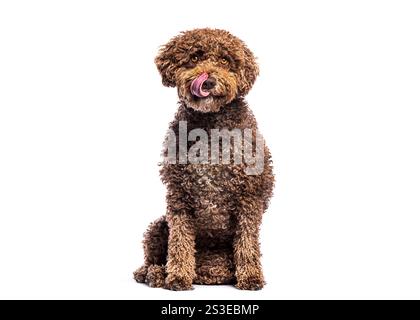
(201, 85)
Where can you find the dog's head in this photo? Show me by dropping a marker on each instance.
(210, 68)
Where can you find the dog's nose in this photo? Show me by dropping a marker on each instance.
(210, 83)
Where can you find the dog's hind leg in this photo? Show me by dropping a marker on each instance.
(215, 266)
(155, 246)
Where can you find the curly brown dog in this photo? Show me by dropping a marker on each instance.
(210, 232)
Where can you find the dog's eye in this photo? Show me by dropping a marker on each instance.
(224, 61)
(194, 59)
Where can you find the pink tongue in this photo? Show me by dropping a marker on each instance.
(197, 84)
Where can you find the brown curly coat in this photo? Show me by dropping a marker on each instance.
(210, 232)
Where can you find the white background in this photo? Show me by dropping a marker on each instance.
(83, 114)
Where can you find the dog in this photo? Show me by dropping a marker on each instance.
(210, 233)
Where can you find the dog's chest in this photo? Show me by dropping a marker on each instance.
(213, 198)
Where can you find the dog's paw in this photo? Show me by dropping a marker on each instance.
(249, 278)
(156, 276)
(250, 283)
(178, 283)
(140, 274)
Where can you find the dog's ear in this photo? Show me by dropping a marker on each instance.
(166, 62)
(248, 72)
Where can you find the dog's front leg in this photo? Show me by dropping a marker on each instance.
(181, 252)
(249, 275)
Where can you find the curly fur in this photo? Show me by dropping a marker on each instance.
(210, 232)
